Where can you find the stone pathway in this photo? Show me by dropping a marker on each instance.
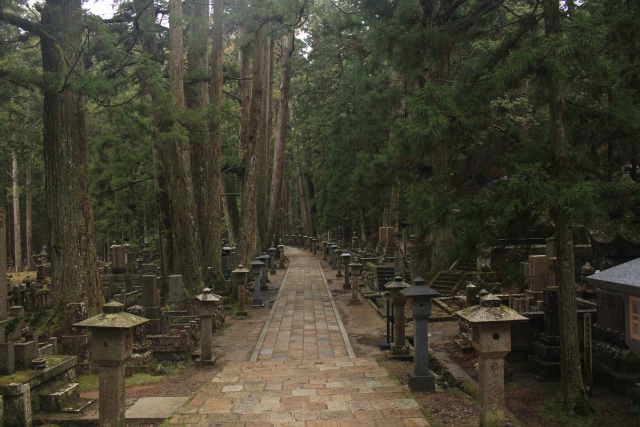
(303, 371)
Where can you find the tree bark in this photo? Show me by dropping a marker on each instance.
(68, 194)
(231, 214)
(17, 234)
(244, 89)
(573, 392)
(28, 215)
(176, 160)
(214, 148)
(277, 174)
(264, 141)
(247, 236)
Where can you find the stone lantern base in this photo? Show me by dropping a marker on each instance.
(422, 382)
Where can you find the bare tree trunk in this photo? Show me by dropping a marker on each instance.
(573, 392)
(277, 176)
(73, 253)
(215, 147)
(230, 203)
(28, 216)
(264, 142)
(205, 146)
(17, 234)
(244, 89)
(176, 160)
(247, 235)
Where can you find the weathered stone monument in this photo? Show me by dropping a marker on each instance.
(346, 258)
(272, 253)
(356, 270)
(491, 339)
(538, 272)
(175, 287)
(398, 300)
(421, 378)
(206, 304)
(281, 252)
(112, 346)
(256, 267)
(76, 342)
(264, 259)
(241, 274)
(157, 324)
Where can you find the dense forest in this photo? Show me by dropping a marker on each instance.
(457, 122)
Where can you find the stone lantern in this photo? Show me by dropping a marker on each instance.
(281, 253)
(332, 256)
(354, 242)
(398, 301)
(206, 304)
(241, 274)
(111, 347)
(256, 267)
(356, 269)
(324, 250)
(491, 339)
(272, 253)
(421, 378)
(264, 258)
(346, 259)
(305, 239)
(313, 245)
(286, 238)
(299, 240)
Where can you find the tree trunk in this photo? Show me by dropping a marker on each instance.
(247, 235)
(176, 161)
(277, 174)
(73, 253)
(230, 203)
(264, 141)
(573, 392)
(204, 156)
(244, 90)
(17, 234)
(214, 175)
(28, 214)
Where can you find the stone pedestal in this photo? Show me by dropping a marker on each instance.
(472, 294)
(264, 258)
(111, 404)
(206, 303)
(345, 257)
(241, 275)
(491, 381)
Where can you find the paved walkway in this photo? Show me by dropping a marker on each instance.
(303, 371)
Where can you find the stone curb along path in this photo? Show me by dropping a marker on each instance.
(303, 371)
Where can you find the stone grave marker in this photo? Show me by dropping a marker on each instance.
(175, 287)
(538, 272)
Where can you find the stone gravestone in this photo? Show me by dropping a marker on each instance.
(76, 343)
(538, 272)
(151, 302)
(175, 287)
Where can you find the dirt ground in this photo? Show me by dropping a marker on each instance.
(528, 399)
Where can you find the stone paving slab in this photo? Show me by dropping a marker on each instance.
(153, 409)
(303, 371)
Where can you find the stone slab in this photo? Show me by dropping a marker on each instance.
(153, 409)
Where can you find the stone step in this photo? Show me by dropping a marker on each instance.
(55, 398)
(77, 406)
(461, 346)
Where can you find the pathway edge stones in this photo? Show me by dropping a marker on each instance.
(267, 324)
(343, 331)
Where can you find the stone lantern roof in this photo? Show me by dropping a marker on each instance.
(113, 316)
(207, 296)
(623, 278)
(397, 284)
(490, 311)
(420, 289)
